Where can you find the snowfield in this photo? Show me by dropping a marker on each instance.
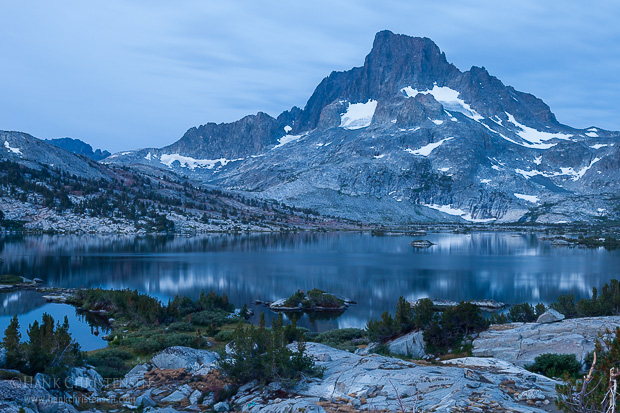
(191, 163)
(448, 97)
(358, 115)
(427, 149)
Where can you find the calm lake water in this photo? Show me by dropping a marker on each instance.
(373, 271)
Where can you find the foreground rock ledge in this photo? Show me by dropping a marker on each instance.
(382, 383)
(351, 382)
(520, 343)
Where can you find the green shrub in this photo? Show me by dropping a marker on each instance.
(320, 298)
(295, 300)
(181, 326)
(522, 313)
(111, 363)
(566, 305)
(142, 309)
(607, 303)
(405, 320)
(382, 330)
(555, 365)
(344, 339)
(147, 346)
(498, 318)
(261, 354)
(224, 336)
(313, 298)
(10, 279)
(456, 323)
(216, 318)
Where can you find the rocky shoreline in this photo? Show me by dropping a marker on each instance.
(183, 379)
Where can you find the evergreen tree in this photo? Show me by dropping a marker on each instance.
(35, 355)
(12, 345)
(403, 318)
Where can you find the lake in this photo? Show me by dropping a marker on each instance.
(373, 271)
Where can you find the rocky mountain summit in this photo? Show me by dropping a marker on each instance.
(408, 137)
(79, 147)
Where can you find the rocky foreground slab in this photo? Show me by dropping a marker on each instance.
(181, 378)
(520, 343)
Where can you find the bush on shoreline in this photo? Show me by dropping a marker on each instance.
(258, 353)
(607, 303)
(312, 299)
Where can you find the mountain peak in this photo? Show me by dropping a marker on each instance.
(388, 42)
(395, 61)
(401, 60)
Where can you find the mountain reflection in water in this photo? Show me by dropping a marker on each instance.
(373, 271)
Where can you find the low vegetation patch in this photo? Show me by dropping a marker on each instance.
(347, 339)
(144, 326)
(519, 313)
(261, 354)
(313, 299)
(556, 365)
(10, 279)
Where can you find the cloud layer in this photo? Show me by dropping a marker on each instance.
(122, 75)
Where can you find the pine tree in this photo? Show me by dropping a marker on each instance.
(12, 345)
(403, 318)
(35, 355)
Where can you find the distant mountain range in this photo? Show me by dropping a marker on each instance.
(407, 137)
(79, 148)
(45, 188)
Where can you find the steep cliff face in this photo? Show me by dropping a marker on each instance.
(409, 137)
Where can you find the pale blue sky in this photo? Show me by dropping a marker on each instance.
(124, 74)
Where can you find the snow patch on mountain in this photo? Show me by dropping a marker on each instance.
(577, 175)
(14, 150)
(534, 136)
(427, 149)
(448, 209)
(599, 146)
(191, 163)
(288, 139)
(448, 97)
(358, 115)
(570, 171)
(529, 198)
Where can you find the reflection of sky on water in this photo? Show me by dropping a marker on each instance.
(77, 326)
(374, 271)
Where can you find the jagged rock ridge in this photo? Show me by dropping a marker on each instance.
(79, 147)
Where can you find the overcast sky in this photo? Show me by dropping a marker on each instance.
(124, 74)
